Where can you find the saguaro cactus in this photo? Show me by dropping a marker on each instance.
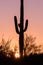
(21, 27)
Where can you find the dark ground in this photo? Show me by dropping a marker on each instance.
(30, 60)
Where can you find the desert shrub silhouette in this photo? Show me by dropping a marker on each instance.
(28, 56)
(4, 47)
(30, 46)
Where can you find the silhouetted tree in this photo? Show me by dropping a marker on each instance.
(4, 47)
(30, 46)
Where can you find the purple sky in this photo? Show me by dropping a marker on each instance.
(33, 11)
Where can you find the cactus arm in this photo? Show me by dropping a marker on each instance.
(26, 24)
(16, 25)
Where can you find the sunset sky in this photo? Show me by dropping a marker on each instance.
(33, 11)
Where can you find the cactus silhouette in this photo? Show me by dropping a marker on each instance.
(21, 27)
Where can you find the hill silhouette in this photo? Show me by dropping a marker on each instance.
(27, 60)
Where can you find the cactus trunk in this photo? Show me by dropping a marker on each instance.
(21, 43)
(21, 37)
